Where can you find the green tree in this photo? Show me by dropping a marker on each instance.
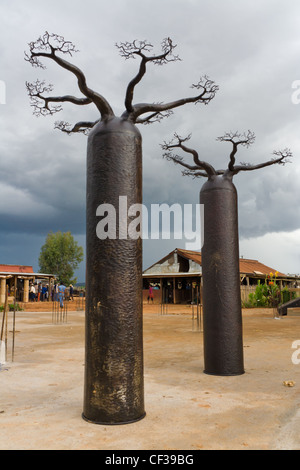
(61, 255)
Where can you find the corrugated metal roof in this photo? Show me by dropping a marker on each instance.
(247, 266)
(193, 255)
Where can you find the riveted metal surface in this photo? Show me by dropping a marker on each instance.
(114, 383)
(222, 316)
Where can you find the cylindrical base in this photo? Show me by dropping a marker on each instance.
(105, 423)
(114, 383)
(222, 313)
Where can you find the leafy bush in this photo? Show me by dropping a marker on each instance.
(11, 308)
(266, 294)
(286, 295)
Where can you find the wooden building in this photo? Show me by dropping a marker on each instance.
(178, 276)
(17, 279)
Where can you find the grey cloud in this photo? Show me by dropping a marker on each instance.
(249, 48)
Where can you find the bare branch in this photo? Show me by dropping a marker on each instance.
(237, 139)
(82, 127)
(246, 139)
(208, 91)
(194, 174)
(154, 117)
(40, 103)
(48, 43)
(130, 50)
(47, 46)
(179, 142)
(284, 157)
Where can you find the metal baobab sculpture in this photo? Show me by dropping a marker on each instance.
(114, 388)
(222, 315)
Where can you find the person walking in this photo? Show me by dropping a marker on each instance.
(61, 294)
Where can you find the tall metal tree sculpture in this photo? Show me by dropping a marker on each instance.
(114, 388)
(222, 317)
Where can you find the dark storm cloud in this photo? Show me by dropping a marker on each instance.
(250, 49)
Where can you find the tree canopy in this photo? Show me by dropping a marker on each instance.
(201, 168)
(61, 255)
(52, 47)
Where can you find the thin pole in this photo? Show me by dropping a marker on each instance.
(193, 301)
(14, 320)
(6, 315)
(197, 304)
(4, 312)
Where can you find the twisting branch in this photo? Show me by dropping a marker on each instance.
(246, 139)
(237, 139)
(82, 127)
(139, 49)
(47, 46)
(38, 102)
(154, 117)
(130, 50)
(178, 142)
(52, 47)
(41, 103)
(208, 91)
(48, 42)
(284, 157)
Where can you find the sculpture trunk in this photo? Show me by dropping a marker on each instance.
(222, 316)
(114, 384)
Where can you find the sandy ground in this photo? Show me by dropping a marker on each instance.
(41, 391)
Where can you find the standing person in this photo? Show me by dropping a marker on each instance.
(150, 293)
(44, 292)
(32, 293)
(61, 294)
(55, 293)
(71, 292)
(39, 291)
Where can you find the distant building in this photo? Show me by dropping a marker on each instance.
(176, 277)
(18, 278)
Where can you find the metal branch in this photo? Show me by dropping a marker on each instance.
(46, 47)
(82, 127)
(154, 117)
(178, 142)
(139, 48)
(208, 91)
(283, 158)
(194, 174)
(41, 103)
(237, 139)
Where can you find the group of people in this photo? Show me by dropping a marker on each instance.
(40, 292)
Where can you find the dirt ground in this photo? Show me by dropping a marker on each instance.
(41, 391)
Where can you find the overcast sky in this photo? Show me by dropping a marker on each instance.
(251, 49)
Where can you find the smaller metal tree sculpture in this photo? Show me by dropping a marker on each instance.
(222, 315)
